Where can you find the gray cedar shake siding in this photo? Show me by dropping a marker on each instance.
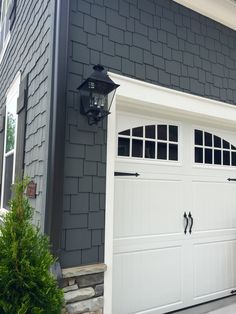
(157, 41)
(29, 51)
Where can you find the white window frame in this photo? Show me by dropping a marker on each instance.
(153, 140)
(6, 36)
(11, 101)
(213, 165)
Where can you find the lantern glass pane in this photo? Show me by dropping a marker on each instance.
(97, 101)
(110, 98)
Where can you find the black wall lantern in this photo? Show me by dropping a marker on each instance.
(97, 93)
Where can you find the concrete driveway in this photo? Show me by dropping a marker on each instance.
(222, 306)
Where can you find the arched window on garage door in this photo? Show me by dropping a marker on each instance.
(211, 149)
(153, 142)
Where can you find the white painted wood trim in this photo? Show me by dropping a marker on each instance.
(222, 11)
(146, 96)
(156, 97)
(110, 168)
(12, 94)
(6, 42)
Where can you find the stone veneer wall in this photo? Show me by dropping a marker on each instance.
(83, 289)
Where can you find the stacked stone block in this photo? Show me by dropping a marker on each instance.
(83, 289)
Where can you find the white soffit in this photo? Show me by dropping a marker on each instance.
(222, 11)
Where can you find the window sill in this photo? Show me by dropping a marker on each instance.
(5, 47)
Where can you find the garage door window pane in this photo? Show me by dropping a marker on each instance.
(217, 141)
(162, 151)
(173, 133)
(138, 132)
(198, 155)
(217, 157)
(225, 144)
(137, 148)
(226, 158)
(198, 137)
(173, 152)
(149, 149)
(123, 146)
(126, 132)
(150, 131)
(162, 132)
(233, 158)
(208, 156)
(208, 139)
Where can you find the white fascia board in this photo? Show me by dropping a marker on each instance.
(222, 11)
(154, 97)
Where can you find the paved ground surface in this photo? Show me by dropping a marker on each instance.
(222, 306)
(230, 309)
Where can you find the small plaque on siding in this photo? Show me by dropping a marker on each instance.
(31, 189)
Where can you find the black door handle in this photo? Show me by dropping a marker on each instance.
(186, 226)
(191, 224)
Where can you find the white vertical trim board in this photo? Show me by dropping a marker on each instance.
(6, 42)
(111, 149)
(141, 97)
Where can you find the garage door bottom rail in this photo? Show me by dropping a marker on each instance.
(207, 306)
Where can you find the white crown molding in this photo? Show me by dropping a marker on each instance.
(222, 11)
(155, 97)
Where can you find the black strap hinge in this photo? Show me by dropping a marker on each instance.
(124, 174)
(230, 179)
(233, 291)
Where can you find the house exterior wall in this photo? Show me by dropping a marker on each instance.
(157, 41)
(29, 51)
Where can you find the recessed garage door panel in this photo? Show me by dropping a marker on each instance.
(213, 206)
(142, 207)
(136, 287)
(214, 268)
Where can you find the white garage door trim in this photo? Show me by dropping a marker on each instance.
(137, 95)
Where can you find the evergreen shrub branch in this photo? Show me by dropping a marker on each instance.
(26, 284)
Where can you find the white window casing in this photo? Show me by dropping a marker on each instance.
(11, 107)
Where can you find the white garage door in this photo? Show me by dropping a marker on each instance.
(174, 224)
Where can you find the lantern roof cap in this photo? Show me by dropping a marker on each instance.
(99, 75)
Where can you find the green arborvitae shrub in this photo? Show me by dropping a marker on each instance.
(26, 284)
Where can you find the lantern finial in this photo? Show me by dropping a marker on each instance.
(98, 68)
